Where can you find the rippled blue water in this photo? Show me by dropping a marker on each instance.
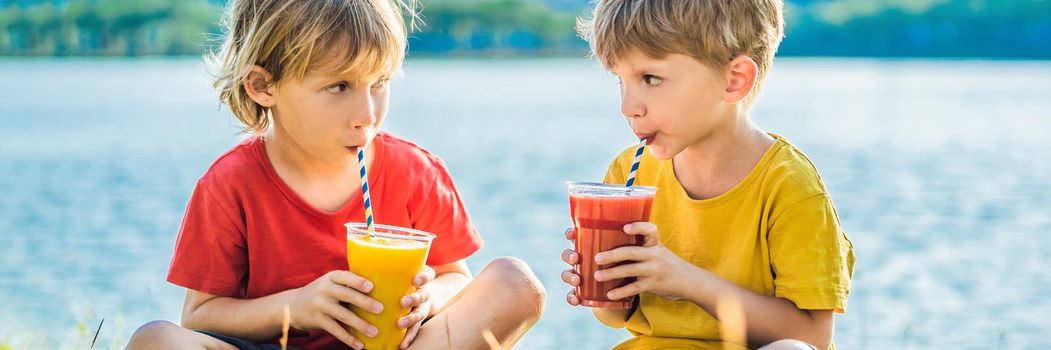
(940, 170)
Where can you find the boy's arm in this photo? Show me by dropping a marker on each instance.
(261, 319)
(318, 305)
(615, 318)
(766, 319)
(659, 271)
(256, 319)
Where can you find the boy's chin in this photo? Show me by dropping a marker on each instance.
(659, 152)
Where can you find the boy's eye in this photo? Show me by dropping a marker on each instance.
(652, 80)
(337, 88)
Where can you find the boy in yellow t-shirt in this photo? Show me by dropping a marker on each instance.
(744, 247)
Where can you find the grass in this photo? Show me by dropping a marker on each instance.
(90, 332)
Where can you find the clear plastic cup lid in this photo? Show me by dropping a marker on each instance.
(388, 232)
(595, 189)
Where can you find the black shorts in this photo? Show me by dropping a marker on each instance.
(242, 343)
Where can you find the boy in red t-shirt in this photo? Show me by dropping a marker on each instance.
(264, 227)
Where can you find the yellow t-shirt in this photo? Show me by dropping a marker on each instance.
(775, 233)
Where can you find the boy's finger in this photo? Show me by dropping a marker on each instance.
(349, 279)
(625, 253)
(348, 318)
(570, 277)
(572, 299)
(424, 296)
(571, 234)
(414, 317)
(622, 271)
(570, 257)
(632, 289)
(645, 229)
(641, 228)
(410, 336)
(340, 333)
(426, 276)
(420, 297)
(351, 296)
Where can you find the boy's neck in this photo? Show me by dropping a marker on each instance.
(722, 159)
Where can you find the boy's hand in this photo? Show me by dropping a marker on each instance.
(318, 305)
(420, 302)
(657, 269)
(569, 256)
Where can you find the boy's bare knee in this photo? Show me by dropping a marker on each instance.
(153, 334)
(167, 335)
(788, 344)
(525, 292)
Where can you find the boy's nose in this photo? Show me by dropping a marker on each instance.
(632, 107)
(363, 120)
(364, 113)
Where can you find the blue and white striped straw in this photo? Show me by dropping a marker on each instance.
(365, 192)
(635, 164)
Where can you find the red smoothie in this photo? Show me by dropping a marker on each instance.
(599, 214)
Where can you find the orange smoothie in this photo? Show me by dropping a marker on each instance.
(389, 260)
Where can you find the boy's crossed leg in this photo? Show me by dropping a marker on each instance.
(505, 298)
(167, 335)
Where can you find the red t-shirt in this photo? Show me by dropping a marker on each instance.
(246, 234)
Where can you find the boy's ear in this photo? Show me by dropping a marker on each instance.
(258, 83)
(741, 74)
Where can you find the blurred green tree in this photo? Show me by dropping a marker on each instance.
(882, 28)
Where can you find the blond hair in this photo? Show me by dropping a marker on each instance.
(711, 31)
(288, 38)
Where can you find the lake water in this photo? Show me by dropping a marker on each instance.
(940, 171)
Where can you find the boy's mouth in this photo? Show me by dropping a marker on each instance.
(649, 137)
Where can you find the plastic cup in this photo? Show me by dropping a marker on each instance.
(599, 213)
(390, 258)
